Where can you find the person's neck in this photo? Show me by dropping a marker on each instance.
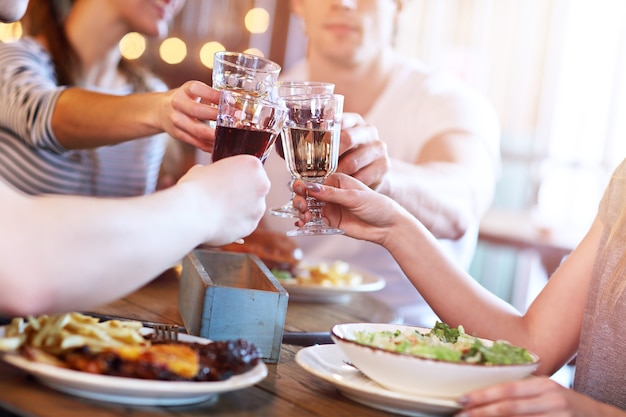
(95, 34)
(360, 83)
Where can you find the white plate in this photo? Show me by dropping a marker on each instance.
(131, 390)
(310, 293)
(328, 362)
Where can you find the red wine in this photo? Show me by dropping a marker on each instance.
(312, 153)
(231, 141)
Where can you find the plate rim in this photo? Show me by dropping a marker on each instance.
(133, 390)
(376, 283)
(344, 381)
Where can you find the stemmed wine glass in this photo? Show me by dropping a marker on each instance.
(292, 88)
(246, 125)
(311, 144)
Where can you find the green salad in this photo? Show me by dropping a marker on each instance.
(447, 344)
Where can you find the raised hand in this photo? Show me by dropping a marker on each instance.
(362, 154)
(229, 197)
(184, 111)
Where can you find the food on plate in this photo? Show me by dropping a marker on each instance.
(275, 250)
(119, 348)
(447, 344)
(325, 274)
(441, 362)
(57, 334)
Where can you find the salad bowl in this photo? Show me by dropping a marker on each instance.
(415, 360)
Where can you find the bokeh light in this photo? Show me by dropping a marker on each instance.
(132, 45)
(207, 51)
(257, 20)
(173, 50)
(254, 51)
(10, 31)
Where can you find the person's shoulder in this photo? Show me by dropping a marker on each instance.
(24, 52)
(25, 44)
(620, 171)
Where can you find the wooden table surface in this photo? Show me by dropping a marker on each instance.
(288, 390)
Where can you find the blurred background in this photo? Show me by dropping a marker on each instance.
(554, 69)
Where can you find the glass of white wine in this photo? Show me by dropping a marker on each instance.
(286, 89)
(310, 142)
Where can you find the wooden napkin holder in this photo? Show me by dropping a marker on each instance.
(226, 296)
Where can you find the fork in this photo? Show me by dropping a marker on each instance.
(166, 332)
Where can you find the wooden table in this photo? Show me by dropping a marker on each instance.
(288, 390)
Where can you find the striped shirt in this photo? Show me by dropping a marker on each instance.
(32, 159)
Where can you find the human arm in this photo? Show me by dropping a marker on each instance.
(61, 253)
(449, 186)
(551, 325)
(443, 158)
(86, 119)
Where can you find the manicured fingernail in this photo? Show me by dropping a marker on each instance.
(311, 186)
(463, 400)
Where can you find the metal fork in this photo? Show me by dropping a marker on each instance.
(166, 332)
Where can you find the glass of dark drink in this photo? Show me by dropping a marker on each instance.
(293, 88)
(246, 125)
(311, 148)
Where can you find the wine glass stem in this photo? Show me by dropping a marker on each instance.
(293, 193)
(315, 207)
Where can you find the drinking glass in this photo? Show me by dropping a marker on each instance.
(292, 88)
(244, 72)
(246, 125)
(311, 145)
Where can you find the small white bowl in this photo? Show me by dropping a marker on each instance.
(411, 374)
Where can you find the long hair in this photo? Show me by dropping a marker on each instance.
(45, 19)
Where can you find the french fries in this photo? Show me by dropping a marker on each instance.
(59, 333)
(335, 274)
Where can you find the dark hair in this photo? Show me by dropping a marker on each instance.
(43, 19)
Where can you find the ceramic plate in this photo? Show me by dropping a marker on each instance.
(310, 293)
(131, 390)
(330, 364)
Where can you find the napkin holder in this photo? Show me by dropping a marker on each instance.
(226, 296)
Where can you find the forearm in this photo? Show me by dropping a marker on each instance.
(454, 295)
(73, 253)
(84, 119)
(443, 196)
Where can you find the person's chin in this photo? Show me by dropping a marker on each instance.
(12, 11)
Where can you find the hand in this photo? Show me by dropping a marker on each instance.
(362, 154)
(350, 205)
(535, 396)
(186, 109)
(227, 197)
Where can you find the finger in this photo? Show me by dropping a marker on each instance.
(194, 132)
(356, 136)
(350, 120)
(339, 189)
(198, 89)
(373, 174)
(524, 388)
(362, 156)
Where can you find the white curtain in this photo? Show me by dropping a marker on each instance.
(554, 69)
